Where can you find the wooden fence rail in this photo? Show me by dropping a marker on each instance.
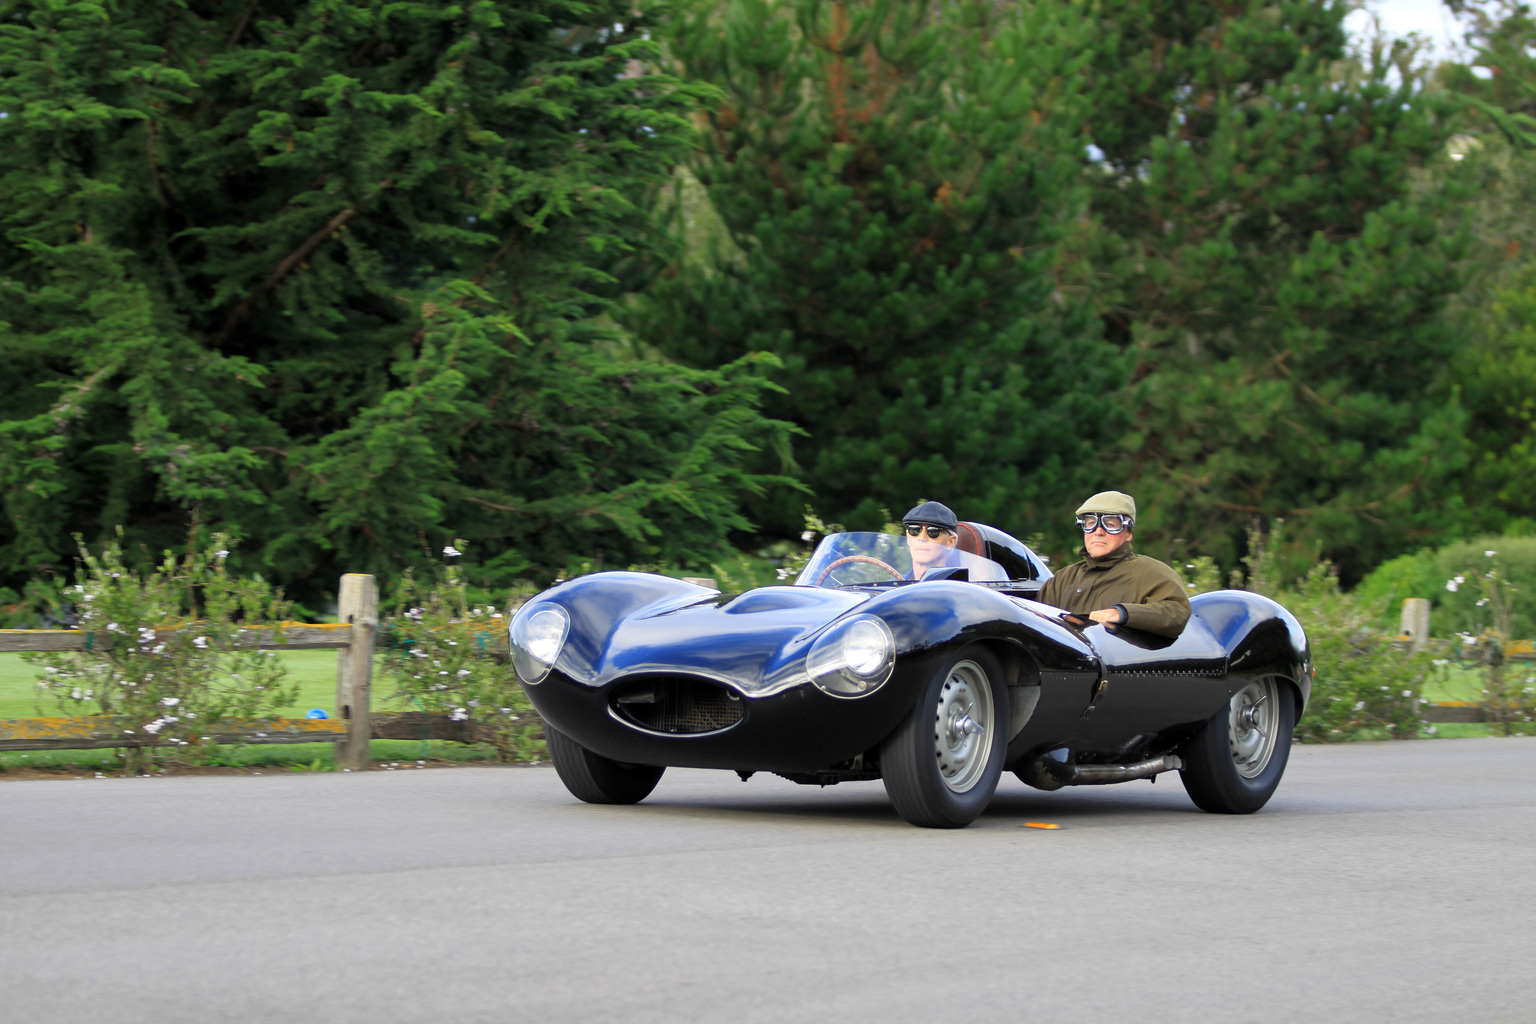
(353, 639)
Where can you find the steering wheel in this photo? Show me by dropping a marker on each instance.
(846, 559)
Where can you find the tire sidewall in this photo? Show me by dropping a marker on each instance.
(907, 758)
(1210, 775)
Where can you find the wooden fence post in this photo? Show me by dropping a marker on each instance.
(1415, 625)
(357, 604)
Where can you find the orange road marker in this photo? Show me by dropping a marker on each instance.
(1039, 824)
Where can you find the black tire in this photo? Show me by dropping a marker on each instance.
(936, 776)
(1233, 764)
(596, 779)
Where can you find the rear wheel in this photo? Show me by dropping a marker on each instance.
(942, 764)
(1235, 761)
(596, 779)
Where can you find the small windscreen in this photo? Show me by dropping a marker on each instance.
(858, 559)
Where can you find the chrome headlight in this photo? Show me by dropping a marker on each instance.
(537, 637)
(853, 659)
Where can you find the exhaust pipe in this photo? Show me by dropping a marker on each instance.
(1055, 770)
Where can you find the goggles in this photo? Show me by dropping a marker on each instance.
(934, 532)
(1113, 524)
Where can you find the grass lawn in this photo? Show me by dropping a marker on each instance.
(314, 671)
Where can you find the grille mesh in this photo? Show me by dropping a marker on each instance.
(680, 706)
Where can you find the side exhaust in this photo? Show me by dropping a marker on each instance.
(1055, 770)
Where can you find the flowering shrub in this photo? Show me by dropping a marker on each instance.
(1508, 698)
(1367, 685)
(445, 652)
(171, 650)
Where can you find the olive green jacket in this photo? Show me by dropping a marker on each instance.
(1150, 594)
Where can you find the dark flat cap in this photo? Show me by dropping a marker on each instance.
(934, 513)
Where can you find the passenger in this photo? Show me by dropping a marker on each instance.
(932, 532)
(1114, 585)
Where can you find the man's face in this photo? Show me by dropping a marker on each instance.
(1100, 543)
(928, 551)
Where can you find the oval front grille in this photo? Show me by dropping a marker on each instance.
(679, 706)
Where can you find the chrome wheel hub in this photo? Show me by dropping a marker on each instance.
(1254, 719)
(961, 727)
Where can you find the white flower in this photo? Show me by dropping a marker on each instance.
(463, 672)
(1431, 730)
(153, 727)
(1488, 554)
(459, 715)
(200, 642)
(170, 702)
(1453, 585)
(222, 553)
(451, 552)
(1407, 693)
(1360, 705)
(112, 627)
(808, 536)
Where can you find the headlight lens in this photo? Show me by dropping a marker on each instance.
(537, 638)
(854, 659)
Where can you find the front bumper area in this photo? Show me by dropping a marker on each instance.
(799, 729)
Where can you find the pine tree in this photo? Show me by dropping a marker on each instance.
(1278, 266)
(898, 191)
(1496, 365)
(334, 276)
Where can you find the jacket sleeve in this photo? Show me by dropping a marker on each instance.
(1164, 607)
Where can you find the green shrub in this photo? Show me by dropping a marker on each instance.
(172, 649)
(445, 652)
(1433, 574)
(1367, 686)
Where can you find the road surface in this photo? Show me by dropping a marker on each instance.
(1385, 882)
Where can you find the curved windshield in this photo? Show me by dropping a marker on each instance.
(854, 559)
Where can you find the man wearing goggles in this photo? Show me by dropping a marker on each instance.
(1114, 585)
(932, 531)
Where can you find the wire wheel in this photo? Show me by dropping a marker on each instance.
(962, 727)
(1253, 725)
(942, 763)
(1233, 764)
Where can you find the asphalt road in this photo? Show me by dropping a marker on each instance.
(1392, 882)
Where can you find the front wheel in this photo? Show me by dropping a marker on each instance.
(1233, 764)
(596, 779)
(942, 764)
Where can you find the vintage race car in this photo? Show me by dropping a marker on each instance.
(934, 685)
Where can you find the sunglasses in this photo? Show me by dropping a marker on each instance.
(1112, 524)
(934, 532)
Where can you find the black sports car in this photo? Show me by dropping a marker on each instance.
(934, 685)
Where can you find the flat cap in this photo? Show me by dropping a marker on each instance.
(934, 513)
(1115, 503)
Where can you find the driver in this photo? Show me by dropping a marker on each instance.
(931, 530)
(1114, 585)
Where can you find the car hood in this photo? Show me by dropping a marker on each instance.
(755, 641)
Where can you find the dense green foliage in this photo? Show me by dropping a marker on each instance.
(899, 187)
(594, 283)
(1278, 278)
(332, 275)
(1496, 365)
